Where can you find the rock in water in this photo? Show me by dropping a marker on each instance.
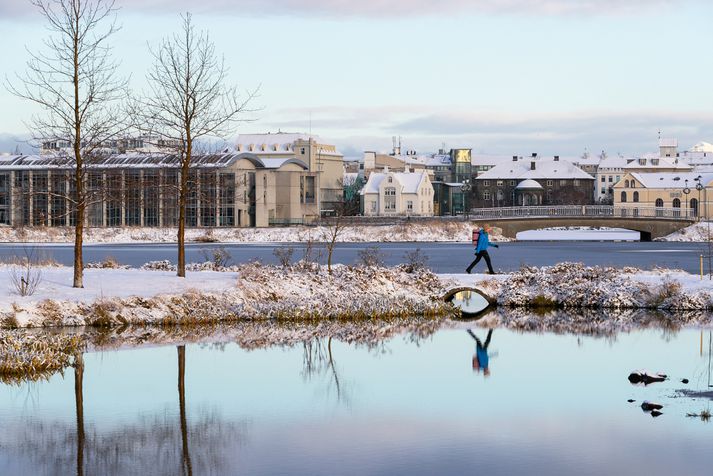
(631, 400)
(650, 406)
(685, 380)
(656, 413)
(642, 376)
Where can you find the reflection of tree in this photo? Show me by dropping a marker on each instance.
(318, 361)
(182, 409)
(79, 405)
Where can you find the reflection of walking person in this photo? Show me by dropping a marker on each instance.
(480, 359)
(481, 250)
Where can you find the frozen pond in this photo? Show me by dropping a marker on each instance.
(535, 404)
(611, 234)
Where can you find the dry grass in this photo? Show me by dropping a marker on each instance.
(32, 357)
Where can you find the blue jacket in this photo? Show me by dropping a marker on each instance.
(483, 242)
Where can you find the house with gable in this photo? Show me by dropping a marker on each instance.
(390, 193)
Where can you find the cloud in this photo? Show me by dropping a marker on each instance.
(378, 8)
(354, 130)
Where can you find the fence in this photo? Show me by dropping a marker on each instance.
(589, 211)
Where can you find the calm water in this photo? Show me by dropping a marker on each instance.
(552, 404)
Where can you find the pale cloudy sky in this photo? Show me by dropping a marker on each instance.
(500, 76)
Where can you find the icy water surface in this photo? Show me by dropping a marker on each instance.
(549, 404)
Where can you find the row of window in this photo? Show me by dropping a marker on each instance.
(550, 183)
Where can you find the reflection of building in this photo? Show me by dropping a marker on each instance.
(397, 193)
(324, 159)
(532, 182)
(231, 190)
(666, 190)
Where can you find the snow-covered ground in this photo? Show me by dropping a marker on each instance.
(114, 297)
(421, 231)
(307, 290)
(698, 232)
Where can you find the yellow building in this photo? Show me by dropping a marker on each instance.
(322, 158)
(666, 190)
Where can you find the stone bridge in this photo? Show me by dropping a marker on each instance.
(649, 222)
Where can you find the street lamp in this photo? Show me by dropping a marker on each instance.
(465, 188)
(686, 191)
(699, 187)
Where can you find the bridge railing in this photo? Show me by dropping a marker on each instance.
(584, 211)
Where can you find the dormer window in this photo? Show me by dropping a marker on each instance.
(654, 161)
(302, 150)
(390, 179)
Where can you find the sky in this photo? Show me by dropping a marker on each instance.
(498, 76)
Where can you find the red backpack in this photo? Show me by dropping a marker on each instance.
(476, 236)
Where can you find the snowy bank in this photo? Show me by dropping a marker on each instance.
(696, 233)
(576, 286)
(117, 297)
(421, 231)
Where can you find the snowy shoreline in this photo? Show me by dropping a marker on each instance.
(415, 231)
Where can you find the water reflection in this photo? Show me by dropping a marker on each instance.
(397, 405)
(481, 360)
(470, 302)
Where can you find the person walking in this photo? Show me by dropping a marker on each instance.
(481, 250)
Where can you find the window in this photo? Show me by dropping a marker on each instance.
(486, 195)
(623, 197)
(512, 183)
(563, 183)
(409, 205)
(642, 161)
(390, 179)
(549, 183)
(659, 203)
(636, 197)
(499, 183)
(618, 177)
(309, 189)
(486, 183)
(604, 179)
(632, 184)
(373, 207)
(611, 179)
(302, 150)
(626, 184)
(390, 199)
(576, 182)
(656, 161)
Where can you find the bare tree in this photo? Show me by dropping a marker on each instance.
(187, 100)
(75, 84)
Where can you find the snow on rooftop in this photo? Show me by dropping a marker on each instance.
(544, 169)
(409, 181)
(672, 179)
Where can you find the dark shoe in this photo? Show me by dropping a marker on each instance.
(492, 272)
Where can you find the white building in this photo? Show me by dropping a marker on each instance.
(397, 193)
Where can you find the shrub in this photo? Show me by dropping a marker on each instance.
(220, 257)
(371, 256)
(416, 260)
(207, 237)
(669, 289)
(284, 255)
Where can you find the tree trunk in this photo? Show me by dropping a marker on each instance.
(78, 240)
(182, 198)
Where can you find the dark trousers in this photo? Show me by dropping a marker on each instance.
(481, 254)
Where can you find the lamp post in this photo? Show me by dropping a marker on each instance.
(686, 191)
(699, 187)
(465, 188)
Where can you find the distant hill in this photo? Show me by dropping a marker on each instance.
(10, 142)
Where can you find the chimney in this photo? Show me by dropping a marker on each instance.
(557, 158)
(514, 158)
(532, 165)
